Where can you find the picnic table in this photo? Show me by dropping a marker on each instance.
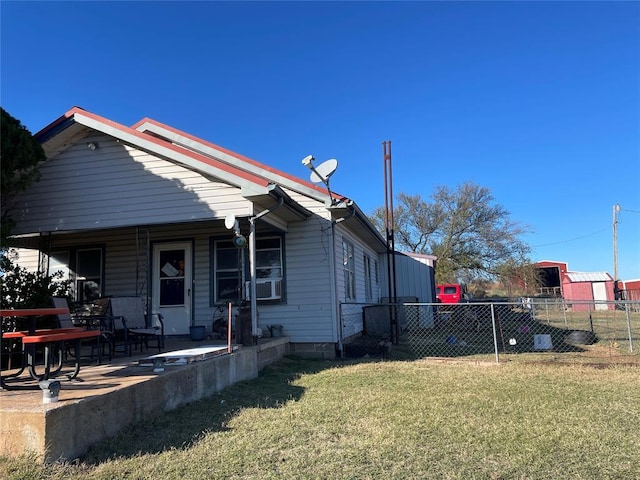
(52, 339)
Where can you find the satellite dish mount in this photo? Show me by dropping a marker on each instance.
(322, 172)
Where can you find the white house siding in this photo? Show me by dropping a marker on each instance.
(352, 322)
(28, 259)
(82, 189)
(307, 314)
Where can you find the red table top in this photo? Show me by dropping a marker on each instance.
(30, 312)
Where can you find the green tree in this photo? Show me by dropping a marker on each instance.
(20, 156)
(472, 235)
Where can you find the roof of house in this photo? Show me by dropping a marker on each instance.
(258, 182)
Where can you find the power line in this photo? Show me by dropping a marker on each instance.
(571, 239)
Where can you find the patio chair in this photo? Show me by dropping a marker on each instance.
(130, 311)
(93, 322)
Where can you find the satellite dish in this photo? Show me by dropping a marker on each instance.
(323, 171)
(230, 221)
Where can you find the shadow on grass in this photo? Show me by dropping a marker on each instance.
(184, 426)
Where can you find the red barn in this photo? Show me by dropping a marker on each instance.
(558, 281)
(585, 286)
(631, 289)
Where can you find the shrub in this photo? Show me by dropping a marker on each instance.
(21, 288)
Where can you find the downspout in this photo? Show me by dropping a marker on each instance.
(335, 313)
(334, 283)
(252, 263)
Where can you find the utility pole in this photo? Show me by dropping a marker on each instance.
(616, 209)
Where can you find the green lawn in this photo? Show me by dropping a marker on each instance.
(394, 419)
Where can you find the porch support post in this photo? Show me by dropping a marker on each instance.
(252, 270)
(252, 263)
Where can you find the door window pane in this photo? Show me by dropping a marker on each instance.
(172, 277)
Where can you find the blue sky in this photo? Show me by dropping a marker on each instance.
(538, 101)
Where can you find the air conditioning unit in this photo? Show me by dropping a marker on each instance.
(266, 289)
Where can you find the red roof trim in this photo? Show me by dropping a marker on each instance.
(204, 159)
(236, 155)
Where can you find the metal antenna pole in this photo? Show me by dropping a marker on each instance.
(616, 209)
(389, 227)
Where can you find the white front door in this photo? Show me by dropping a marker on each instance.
(172, 274)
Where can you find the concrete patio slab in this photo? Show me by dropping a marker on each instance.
(107, 398)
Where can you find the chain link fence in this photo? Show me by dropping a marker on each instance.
(527, 328)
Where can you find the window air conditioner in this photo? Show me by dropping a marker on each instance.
(266, 289)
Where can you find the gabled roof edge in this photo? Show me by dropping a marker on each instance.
(192, 142)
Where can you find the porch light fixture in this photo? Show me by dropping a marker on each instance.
(92, 145)
(240, 241)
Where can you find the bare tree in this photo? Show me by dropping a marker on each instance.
(472, 236)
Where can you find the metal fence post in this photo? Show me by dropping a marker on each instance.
(626, 310)
(546, 306)
(495, 333)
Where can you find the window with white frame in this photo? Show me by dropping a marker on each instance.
(227, 271)
(376, 272)
(269, 268)
(231, 270)
(88, 271)
(349, 263)
(84, 267)
(368, 279)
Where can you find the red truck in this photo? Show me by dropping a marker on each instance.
(450, 293)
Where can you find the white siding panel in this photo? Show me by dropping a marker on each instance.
(117, 185)
(28, 259)
(307, 315)
(352, 322)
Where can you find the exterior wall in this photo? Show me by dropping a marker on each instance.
(584, 292)
(632, 289)
(352, 323)
(562, 266)
(306, 316)
(413, 279)
(83, 189)
(579, 291)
